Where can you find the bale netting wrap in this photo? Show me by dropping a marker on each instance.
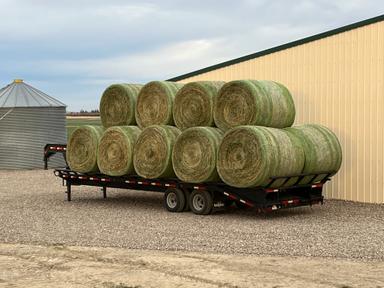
(194, 103)
(155, 103)
(82, 148)
(252, 102)
(194, 155)
(117, 104)
(323, 154)
(153, 151)
(115, 152)
(250, 155)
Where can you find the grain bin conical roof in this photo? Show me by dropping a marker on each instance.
(20, 94)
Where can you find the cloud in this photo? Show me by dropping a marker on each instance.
(74, 48)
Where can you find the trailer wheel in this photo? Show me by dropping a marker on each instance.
(186, 206)
(174, 200)
(201, 202)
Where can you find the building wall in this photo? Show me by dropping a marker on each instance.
(337, 81)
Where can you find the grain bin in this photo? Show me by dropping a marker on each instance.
(29, 119)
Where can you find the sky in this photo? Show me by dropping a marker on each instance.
(73, 49)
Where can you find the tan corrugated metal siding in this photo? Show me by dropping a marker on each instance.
(337, 81)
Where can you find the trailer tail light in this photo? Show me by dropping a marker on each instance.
(271, 208)
(318, 185)
(170, 185)
(199, 187)
(105, 180)
(83, 177)
(290, 202)
(271, 190)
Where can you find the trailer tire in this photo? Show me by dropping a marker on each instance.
(174, 200)
(201, 202)
(187, 208)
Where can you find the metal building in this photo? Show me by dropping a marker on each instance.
(29, 119)
(337, 79)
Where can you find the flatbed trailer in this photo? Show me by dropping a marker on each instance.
(205, 198)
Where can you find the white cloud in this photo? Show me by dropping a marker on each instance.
(74, 48)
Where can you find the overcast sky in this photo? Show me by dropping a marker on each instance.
(73, 50)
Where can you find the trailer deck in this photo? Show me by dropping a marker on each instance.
(205, 198)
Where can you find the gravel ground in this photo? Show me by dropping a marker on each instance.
(33, 210)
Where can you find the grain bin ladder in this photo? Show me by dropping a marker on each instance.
(206, 198)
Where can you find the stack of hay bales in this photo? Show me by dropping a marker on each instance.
(237, 132)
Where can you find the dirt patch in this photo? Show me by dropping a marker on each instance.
(62, 266)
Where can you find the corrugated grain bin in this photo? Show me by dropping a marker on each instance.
(29, 119)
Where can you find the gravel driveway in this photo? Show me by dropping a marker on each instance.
(33, 210)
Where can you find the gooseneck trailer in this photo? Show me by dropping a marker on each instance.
(202, 198)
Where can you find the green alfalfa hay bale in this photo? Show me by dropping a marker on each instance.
(82, 148)
(118, 103)
(252, 102)
(323, 154)
(249, 156)
(152, 157)
(194, 102)
(194, 155)
(115, 152)
(155, 103)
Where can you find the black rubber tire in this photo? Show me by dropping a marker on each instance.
(186, 206)
(174, 200)
(201, 202)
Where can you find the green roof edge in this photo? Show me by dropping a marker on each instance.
(281, 47)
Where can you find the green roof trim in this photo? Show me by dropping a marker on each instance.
(281, 47)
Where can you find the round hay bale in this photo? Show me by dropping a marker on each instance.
(251, 102)
(82, 148)
(152, 156)
(323, 154)
(194, 155)
(115, 153)
(117, 104)
(193, 106)
(250, 155)
(155, 103)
